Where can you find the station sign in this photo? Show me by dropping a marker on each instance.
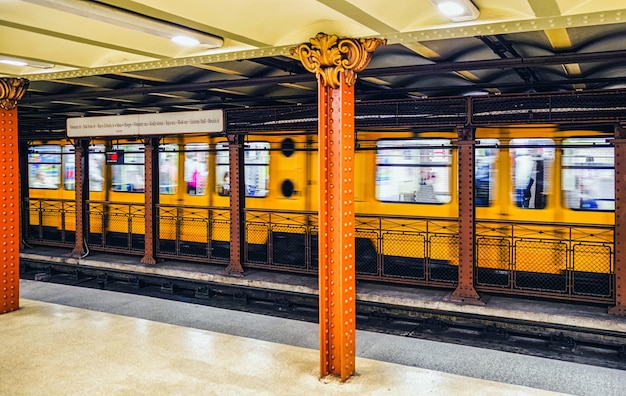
(147, 124)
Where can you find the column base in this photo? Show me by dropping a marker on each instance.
(618, 310)
(466, 298)
(148, 260)
(234, 271)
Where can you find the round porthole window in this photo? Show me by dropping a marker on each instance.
(287, 147)
(287, 188)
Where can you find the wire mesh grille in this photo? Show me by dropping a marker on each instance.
(443, 261)
(569, 107)
(593, 271)
(366, 252)
(51, 222)
(116, 226)
(257, 235)
(543, 259)
(493, 262)
(289, 246)
(534, 259)
(540, 265)
(411, 264)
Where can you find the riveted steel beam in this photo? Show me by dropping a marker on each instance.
(237, 203)
(620, 222)
(81, 168)
(337, 285)
(10, 210)
(483, 28)
(151, 195)
(465, 291)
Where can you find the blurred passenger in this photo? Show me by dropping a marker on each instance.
(96, 172)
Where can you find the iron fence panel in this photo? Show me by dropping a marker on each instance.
(411, 263)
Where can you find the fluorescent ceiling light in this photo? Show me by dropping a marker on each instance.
(24, 62)
(13, 62)
(457, 10)
(129, 20)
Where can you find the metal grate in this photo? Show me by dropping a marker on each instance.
(592, 267)
(51, 222)
(409, 264)
(555, 107)
(443, 258)
(493, 262)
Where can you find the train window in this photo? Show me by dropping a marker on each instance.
(96, 162)
(168, 168)
(413, 171)
(96, 167)
(196, 169)
(44, 166)
(129, 175)
(256, 161)
(486, 154)
(69, 168)
(532, 161)
(588, 174)
(221, 169)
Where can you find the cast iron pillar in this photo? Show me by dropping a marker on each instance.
(81, 168)
(237, 203)
(620, 222)
(11, 91)
(465, 291)
(151, 189)
(335, 62)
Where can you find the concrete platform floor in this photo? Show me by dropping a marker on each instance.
(51, 349)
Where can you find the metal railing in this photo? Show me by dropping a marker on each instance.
(555, 260)
(50, 221)
(396, 249)
(559, 259)
(116, 226)
(196, 233)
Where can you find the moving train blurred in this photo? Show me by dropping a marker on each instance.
(544, 204)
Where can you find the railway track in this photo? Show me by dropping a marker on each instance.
(593, 347)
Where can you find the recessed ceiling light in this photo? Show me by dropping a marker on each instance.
(450, 8)
(457, 10)
(185, 40)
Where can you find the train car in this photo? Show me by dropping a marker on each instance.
(544, 204)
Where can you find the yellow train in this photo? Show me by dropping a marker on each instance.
(544, 204)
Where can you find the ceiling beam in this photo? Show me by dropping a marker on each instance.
(545, 8)
(155, 13)
(358, 15)
(614, 56)
(79, 40)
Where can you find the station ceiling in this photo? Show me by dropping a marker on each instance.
(86, 61)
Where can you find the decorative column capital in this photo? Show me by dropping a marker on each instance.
(11, 91)
(329, 56)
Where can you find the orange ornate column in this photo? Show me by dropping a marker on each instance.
(11, 91)
(335, 62)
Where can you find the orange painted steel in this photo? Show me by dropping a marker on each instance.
(465, 291)
(620, 222)
(151, 198)
(237, 203)
(337, 287)
(80, 152)
(9, 209)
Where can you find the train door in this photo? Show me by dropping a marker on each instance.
(192, 215)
